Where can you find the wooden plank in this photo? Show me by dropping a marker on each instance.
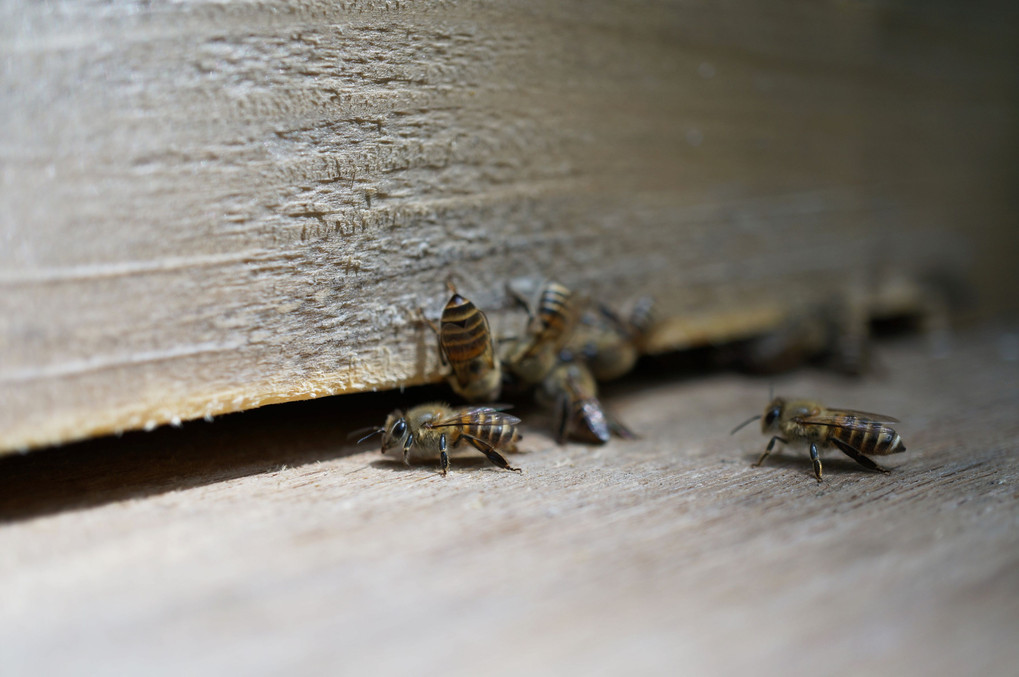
(210, 207)
(266, 543)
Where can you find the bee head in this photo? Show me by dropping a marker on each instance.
(394, 433)
(772, 413)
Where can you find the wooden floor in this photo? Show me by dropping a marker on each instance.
(267, 543)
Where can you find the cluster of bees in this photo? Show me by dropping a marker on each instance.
(568, 345)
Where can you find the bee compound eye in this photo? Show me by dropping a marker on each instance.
(399, 428)
(772, 415)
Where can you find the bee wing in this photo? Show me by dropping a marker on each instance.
(858, 420)
(455, 418)
(864, 415)
(593, 418)
(487, 408)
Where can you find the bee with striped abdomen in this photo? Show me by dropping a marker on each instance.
(857, 434)
(551, 318)
(467, 349)
(434, 429)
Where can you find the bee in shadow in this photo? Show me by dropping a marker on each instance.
(435, 429)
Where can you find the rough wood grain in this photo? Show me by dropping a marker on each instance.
(207, 207)
(263, 543)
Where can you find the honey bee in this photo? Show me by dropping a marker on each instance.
(857, 434)
(570, 389)
(550, 323)
(467, 349)
(435, 429)
(609, 344)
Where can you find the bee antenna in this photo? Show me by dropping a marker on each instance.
(451, 279)
(360, 431)
(745, 423)
(373, 433)
(771, 391)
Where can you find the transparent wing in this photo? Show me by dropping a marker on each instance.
(493, 411)
(848, 419)
(872, 417)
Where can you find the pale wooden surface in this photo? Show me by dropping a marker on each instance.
(208, 207)
(265, 544)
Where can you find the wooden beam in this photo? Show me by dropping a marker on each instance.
(210, 207)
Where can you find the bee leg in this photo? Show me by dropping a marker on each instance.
(434, 327)
(858, 457)
(438, 337)
(562, 418)
(767, 452)
(621, 325)
(524, 304)
(817, 461)
(443, 456)
(406, 449)
(490, 451)
(620, 430)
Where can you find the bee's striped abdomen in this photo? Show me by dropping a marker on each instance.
(464, 333)
(553, 309)
(869, 437)
(553, 319)
(492, 428)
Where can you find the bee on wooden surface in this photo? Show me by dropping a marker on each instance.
(609, 344)
(467, 349)
(857, 434)
(551, 318)
(435, 429)
(570, 389)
